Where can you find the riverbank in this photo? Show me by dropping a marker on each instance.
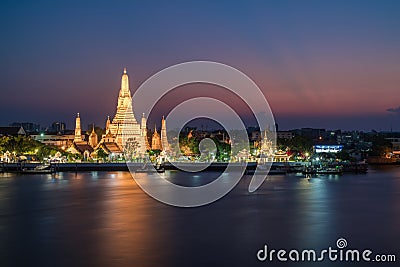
(116, 166)
(281, 167)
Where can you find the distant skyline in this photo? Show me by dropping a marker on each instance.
(320, 64)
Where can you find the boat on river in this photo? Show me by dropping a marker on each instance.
(323, 170)
(40, 169)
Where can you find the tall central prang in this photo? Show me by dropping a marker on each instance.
(124, 126)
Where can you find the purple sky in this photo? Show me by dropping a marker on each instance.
(319, 63)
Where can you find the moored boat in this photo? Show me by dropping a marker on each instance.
(40, 169)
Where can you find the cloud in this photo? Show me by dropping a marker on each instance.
(394, 110)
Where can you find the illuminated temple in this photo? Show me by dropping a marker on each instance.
(122, 135)
(124, 126)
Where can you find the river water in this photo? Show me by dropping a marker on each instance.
(105, 219)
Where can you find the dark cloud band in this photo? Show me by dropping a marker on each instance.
(394, 110)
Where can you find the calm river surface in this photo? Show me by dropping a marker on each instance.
(105, 219)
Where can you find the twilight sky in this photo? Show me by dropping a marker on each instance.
(331, 64)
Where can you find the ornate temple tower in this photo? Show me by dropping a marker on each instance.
(78, 131)
(79, 146)
(93, 138)
(155, 140)
(108, 124)
(266, 146)
(164, 140)
(143, 127)
(124, 126)
(107, 137)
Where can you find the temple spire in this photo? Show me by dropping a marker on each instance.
(124, 126)
(164, 140)
(108, 124)
(125, 92)
(155, 140)
(78, 131)
(143, 128)
(93, 140)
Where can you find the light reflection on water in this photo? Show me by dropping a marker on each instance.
(104, 219)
